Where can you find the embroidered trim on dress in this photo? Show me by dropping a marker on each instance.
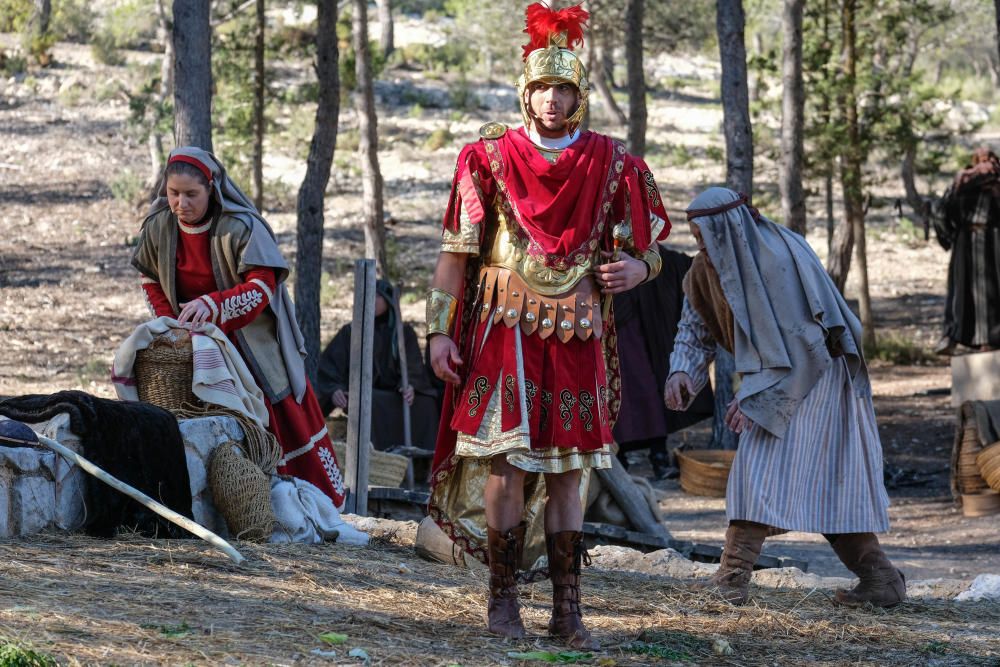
(295, 453)
(211, 305)
(194, 229)
(240, 304)
(263, 286)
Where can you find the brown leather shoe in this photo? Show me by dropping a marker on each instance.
(881, 584)
(744, 540)
(566, 555)
(503, 611)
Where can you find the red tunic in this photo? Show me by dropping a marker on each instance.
(299, 427)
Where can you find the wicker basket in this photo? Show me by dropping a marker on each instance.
(965, 475)
(163, 372)
(988, 463)
(984, 503)
(384, 469)
(242, 493)
(705, 472)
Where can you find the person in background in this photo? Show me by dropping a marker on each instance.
(646, 319)
(388, 394)
(968, 224)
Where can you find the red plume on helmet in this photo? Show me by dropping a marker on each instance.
(543, 22)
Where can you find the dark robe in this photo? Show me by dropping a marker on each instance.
(387, 402)
(969, 226)
(646, 318)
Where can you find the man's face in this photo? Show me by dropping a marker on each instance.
(551, 106)
(696, 233)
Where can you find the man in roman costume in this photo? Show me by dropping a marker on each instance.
(545, 223)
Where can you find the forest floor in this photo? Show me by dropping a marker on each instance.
(68, 297)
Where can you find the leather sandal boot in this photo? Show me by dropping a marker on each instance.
(503, 611)
(566, 555)
(744, 540)
(880, 585)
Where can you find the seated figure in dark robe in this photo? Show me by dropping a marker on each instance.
(388, 393)
(968, 224)
(646, 319)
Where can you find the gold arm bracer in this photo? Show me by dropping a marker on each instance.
(441, 308)
(653, 260)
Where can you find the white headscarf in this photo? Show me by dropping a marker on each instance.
(787, 313)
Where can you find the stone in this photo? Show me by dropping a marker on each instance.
(197, 471)
(33, 504)
(70, 508)
(5, 507)
(27, 460)
(204, 434)
(975, 377)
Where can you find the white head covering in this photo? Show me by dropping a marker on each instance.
(788, 315)
(261, 250)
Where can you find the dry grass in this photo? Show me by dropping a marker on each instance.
(131, 601)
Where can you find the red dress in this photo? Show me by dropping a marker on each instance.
(299, 427)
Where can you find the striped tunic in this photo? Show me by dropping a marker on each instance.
(824, 476)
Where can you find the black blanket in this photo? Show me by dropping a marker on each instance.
(138, 443)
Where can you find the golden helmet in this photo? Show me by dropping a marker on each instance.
(549, 56)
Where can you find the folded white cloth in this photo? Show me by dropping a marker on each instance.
(220, 377)
(306, 514)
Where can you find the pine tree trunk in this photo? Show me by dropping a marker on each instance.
(309, 229)
(371, 176)
(735, 98)
(739, 174)
(386, 39)
(996, 4)
(829, 210)
(921, 209)
(793, 199)
(258, 109)
(850, 164)
(636, 78)
(41, 18)
(156, 108)
(600, 81)
(192, 36)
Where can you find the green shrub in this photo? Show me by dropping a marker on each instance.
(103, 48)
(15, 655)
(896, 349)
(127, 187)
(438, 139)
(12, 64)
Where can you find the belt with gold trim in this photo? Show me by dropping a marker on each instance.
(576, 312)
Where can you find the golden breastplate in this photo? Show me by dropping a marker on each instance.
(505, 249)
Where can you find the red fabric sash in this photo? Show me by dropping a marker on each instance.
(558, 205)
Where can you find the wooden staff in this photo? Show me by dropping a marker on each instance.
(405, 382)
(141, 498)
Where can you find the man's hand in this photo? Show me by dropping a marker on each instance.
(194, 312)
(444, 358)
(678, 391)
(735, 419)
(621, 276)
(340, 399)
(408, 394)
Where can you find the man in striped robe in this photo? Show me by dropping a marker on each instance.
(809, 456)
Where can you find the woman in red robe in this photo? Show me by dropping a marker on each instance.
(207, 256)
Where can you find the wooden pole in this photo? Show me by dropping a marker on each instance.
(405, 381)
(143, 499)
(359, 397)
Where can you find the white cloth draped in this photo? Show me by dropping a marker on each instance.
(220, 376)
